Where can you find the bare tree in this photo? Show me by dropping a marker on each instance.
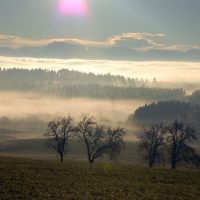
(100, 140)
(115, 141)
(180, 135)
(58, 132)
(151, 142)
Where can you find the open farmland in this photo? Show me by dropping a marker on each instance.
(35, 179)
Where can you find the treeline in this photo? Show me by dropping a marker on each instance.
(111, 92)
(170, 130)
(35, 77)
(195, 97)
(70, 84)
(171, 143)
(167, 111)
(30, 122)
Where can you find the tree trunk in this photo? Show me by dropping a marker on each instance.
(91, 161)
(152, 160)
(173, 163)
(174, 156)
(150, 164)
(89, 154)
(61, 158)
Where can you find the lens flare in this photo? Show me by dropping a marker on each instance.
(73, 7)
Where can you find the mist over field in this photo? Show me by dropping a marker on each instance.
(21, 105)
(14, 104)
(30, 98)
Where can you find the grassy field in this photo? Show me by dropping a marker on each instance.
(35, 179)
(36, 148)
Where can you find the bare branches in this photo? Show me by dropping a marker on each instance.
(180, 135)
(151, 142)
(175, 137)
(58, 132)
(115, 141)
(100, 140)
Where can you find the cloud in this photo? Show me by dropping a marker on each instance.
(173, 47)
(124, 46)
(8, 38)
(17, 42)
(135, 36)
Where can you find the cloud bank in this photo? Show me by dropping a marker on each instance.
(162, 71)
(149, 39)
(125, 46)
(17, 42)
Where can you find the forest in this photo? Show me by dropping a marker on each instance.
(71, 84)
(167, 111)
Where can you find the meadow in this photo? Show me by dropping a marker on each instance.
(22, 178)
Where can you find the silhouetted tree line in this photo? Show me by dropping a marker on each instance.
(30, 122)
(99, 140)
(69, 84)
(37, 77)
(175, 139)
(167, 111)
(195, 97)
(159, 142)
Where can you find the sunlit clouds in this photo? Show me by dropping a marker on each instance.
(73, 7)
(148, 38)
(140, 41)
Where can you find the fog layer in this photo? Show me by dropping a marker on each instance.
(14, 104)
(162, 71)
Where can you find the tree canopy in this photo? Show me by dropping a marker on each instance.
(167, 111)
(69, 84)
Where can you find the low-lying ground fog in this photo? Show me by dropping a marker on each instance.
(110, 112)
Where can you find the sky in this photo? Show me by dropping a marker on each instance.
(136, 30)
(176, 20)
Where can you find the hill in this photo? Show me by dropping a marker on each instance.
(167, 111)
(195, 97)
(73, 84)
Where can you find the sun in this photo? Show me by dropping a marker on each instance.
(73, 7)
